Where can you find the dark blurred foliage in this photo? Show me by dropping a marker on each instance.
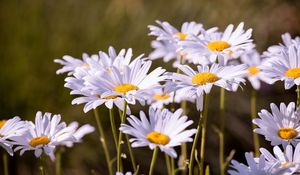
(34, 32)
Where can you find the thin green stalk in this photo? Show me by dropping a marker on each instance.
(5, 163)
(130, 153)
(168, 164)
(119, 168)
(113, 126)
(298, 95)
(183, 145)
(221, 135)
(203, 134)
(103, 141)
(58, 162)
(154, 157)
(42, 165)
(172, 166)
(253, 116)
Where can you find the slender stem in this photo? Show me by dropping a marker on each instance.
(103, 141)
(183, 145)
(113, 126)
(5, 163)
(130, 153)
(221, 135)
(203, 134)
(172, 166)
(119, 168)
(154, 157)
(253, 116)
(298, 95)
(42, 165)
(58, 162)
(167, 158)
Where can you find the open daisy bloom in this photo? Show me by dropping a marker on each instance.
(9, 129)
(196, 83)
(286, 158)
(280, 127)
(286, 67)
(164, 129)
(44, 135)
(220, 45)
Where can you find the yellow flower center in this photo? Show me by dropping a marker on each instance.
(287, 133)
(2, 122)
(285, 164)
(204, 78)
(293, 73)
(42, 140)
(85, 65)
(181, 35)
(161, 96)
(253, 70)
(123, 88)
(218, 45)
(111, 97)
(158, 138)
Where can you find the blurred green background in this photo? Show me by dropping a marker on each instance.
(35, 32)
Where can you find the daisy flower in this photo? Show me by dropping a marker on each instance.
(286, 67)
(9, 129)
(164, 129)
(282, 126)
(286, 158)
(196, 83)
(257, 167)
(254, 62)
(219, 45)
(129, 86)
(44, 135)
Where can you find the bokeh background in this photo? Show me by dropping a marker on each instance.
(35, 32)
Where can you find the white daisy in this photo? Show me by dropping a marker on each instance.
(9, 129)
(280, 127)
(45, 134)
(257, 167)
(286, 158)
(219, 45)
(164, 129)
(286, 67)
(78, 133)
(196, 83)
(254, 62)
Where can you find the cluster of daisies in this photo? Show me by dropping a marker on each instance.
(204, 58)
(44, 135)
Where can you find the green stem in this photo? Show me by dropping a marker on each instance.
(253, 116)
(130, 153)
(113, 126)
(221, 135)
(58, 162)
(154, 157)
(42, 165)
(167, 158)
(183, 145)
(298, 95)
(203, 134)
(5, 163)
(172, 166)
(119, 168)
(103, 141)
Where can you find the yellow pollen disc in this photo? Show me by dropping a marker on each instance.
(293, 73)
(181, 35)
(285, 164)
(287, 133)
(85, 65)
(253, 70)
(158, 138)
(42, 140)
(161, 96)
(204, 78)
(2, 122)
(110, 97)
(123, 88)
(218, 45)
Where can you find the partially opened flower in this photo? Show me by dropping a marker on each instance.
(9, 129)
(282, 126)
(196, 83)
(44, 135)
(287, 158)
(164, 129)
(286, 67)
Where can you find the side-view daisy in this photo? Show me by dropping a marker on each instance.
(286, 67)
(164, 129)
(282, 126)
(44, 135)
(8, 129)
